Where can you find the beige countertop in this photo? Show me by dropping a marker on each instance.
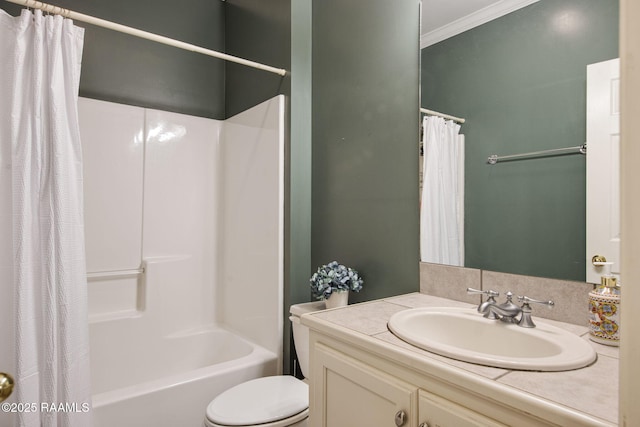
(589, 394)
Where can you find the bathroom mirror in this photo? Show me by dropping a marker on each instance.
(520, 83)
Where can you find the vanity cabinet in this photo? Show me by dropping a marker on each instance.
(349, 392)
(352, 386)
(362, 375)
(356, 394)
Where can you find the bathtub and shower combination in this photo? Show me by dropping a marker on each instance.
(173, 386)
(176, 316)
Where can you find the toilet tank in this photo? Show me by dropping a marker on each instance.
(301, 332)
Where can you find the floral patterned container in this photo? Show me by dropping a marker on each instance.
(604, 313)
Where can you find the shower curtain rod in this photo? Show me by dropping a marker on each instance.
(56, 10)
(435, 113)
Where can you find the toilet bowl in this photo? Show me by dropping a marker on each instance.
(276, 401)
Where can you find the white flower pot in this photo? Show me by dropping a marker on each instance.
(337, 299)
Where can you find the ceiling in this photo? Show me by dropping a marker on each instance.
(442, 19)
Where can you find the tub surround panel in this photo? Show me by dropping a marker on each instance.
(113, 152)
(571, 298)
(251, 249)
(181, 162)
(160, 196)
(180, 295)
(164, 200)
(180, 217)
(151, 187)
(147, 332)
(589, 394)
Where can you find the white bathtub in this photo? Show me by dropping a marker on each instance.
(171, 383)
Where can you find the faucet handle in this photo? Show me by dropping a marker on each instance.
(483, 307)
(489, 293)
(526, 301)
(525, 320)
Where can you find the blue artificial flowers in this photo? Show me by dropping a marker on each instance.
(334, 277)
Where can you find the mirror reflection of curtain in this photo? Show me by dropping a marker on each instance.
(442, 196)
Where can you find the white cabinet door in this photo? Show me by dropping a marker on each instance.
(350, 393)
(603, 166)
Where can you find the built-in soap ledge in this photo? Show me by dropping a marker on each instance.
(115, 297)
(116, 294)
(98, 275)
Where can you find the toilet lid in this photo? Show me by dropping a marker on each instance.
(259, 401)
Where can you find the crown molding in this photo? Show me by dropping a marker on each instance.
(472, 20)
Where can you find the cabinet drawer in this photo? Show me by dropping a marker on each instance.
(434, 411)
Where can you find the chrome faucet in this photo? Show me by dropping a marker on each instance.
(491, 300)
(508, 311)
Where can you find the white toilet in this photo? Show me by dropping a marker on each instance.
(278, 401)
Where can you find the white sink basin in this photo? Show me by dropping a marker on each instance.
(463, 334)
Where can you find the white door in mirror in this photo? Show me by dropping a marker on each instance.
(603, 166)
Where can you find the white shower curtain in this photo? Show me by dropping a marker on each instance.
(442, 199)
(39, 83)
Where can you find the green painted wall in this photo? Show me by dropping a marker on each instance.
(365, 122)
(298, 235)
(125, 69)
(520, 81)
(259, 30)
